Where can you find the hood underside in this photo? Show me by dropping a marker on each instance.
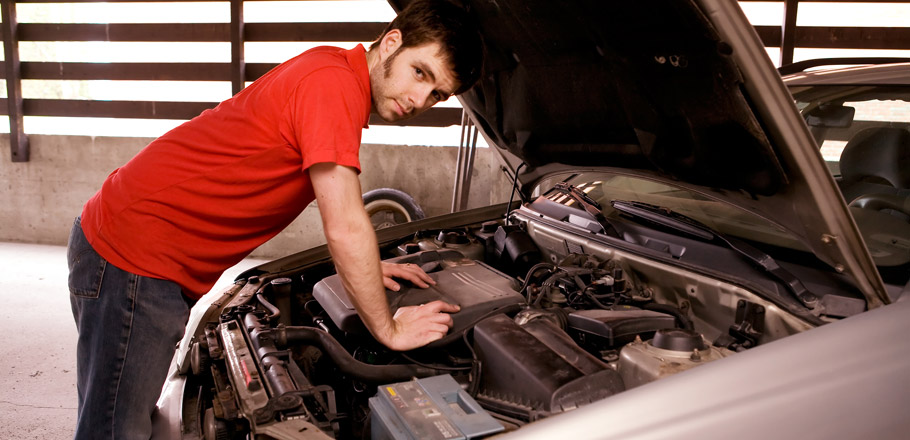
(624, 87)
(677, 91)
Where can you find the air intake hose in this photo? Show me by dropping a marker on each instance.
(378, 374)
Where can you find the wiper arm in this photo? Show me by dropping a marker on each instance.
(688, 225)
(588, 204)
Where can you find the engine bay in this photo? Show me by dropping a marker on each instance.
(550, 320)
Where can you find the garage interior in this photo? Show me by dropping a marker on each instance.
(47, 177)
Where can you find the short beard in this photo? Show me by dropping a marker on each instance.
(387, 64)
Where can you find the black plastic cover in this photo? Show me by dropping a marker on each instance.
(679, 340)
(477, 288)
(537, 369)
(619, 327)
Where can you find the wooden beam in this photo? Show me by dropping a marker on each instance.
(854, 37)
(116, 109)
(434, 117)
(137, 71)
(801, 1)
(18, 140)
(238, 62)
(832, 37)
(347, 31)
(138, 32)
(127, 71)
(199, 32)
(788, 32)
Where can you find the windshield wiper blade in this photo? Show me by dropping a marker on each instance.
(682, 223)
(665, 217)
(588, 204)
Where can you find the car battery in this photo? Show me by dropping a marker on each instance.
(430, 408)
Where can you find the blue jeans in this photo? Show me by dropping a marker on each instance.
(128, 328)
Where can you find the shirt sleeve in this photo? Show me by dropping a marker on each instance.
(326, 116)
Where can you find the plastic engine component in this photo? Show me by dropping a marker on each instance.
(641, 362)
(477, 288)
(612, 328)
(678, 340)
(430, 408)
(537, 366)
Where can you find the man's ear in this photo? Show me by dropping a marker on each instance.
(391, 41)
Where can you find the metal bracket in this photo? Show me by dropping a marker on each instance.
(747, 329)
(465, 164)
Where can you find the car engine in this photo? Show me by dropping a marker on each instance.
(549, 321)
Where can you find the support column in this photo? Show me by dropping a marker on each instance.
(464, 166)
(238, 64)
(18, 140)
(788, 32)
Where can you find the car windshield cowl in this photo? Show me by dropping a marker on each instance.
(690, 226)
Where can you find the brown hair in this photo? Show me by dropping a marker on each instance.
(450, 25)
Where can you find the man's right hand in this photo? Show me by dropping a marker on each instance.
(416, 326)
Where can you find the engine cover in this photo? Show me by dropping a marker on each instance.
(477, 288)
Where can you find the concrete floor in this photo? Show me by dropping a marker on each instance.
(38, 353)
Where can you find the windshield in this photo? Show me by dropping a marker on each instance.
(864, 136)
(838, 114)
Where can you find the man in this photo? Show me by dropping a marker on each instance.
(201, 197)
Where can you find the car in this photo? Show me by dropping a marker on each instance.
(679, 259)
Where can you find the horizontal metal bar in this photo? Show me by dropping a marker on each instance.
(435, 117)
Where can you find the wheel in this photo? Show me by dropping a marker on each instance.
(389, 207)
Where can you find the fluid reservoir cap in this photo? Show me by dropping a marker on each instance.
(280, 281)
(489, 227)
(453, 237)
(678, 339)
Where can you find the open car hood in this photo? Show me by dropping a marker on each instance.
(675, 91)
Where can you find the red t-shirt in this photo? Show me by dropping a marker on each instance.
(200, 198)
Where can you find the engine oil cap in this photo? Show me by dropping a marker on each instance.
(677, 339)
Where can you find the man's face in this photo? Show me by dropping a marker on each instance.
(409, 81)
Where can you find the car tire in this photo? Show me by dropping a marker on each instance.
(389, 207)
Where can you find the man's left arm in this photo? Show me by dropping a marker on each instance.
(352, 243)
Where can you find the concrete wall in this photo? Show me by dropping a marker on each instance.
(40, 198)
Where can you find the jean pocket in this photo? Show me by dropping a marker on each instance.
(86, 266)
